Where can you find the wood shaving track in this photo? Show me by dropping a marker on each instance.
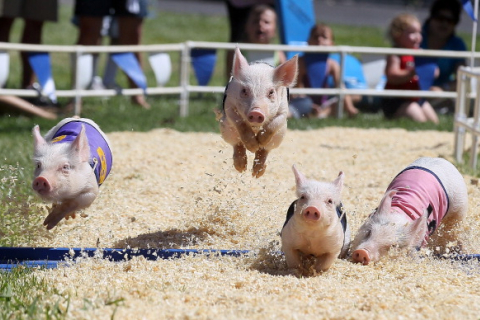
(180, 190)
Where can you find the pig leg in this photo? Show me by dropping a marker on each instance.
(292, 257)
(240, 157)
(448, 234)
(273, 133)
(259, 163)
(68, 208)
(325, 261)
(248, 137)
(58, 212)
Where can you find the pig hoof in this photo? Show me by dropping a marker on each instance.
(258, 171)
(240, 164)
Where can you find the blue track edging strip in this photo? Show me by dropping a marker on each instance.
(11, 257)
(50, 258)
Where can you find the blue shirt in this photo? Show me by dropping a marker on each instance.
(447, 66)
(353, 75)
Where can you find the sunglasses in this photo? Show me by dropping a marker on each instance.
(444, 18)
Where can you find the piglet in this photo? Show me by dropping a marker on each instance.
(316, 224)
(255, 109)
(71, 162)
(427, 193)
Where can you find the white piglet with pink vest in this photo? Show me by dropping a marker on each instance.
(71, 162)
(427, 194)
(255, 109)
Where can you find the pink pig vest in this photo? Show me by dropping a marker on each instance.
(101, 159)
(419, 189)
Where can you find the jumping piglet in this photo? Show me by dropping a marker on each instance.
(71, 162)
(316, 224)
(255, 109)
(427, 193)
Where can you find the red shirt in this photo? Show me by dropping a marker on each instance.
(406, 63)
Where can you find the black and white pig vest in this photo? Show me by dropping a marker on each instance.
(340, 213)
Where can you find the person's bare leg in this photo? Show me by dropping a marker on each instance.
(130, 33)
(349, 107)
(429, 112)
(413, 111)
(32, 34)
(89, 30)
(88, 35)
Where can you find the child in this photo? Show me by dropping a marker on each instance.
(302, 106)
(405, 32)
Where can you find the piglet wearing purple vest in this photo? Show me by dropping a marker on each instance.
(71, 162)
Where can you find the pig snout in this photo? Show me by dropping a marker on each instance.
(41, 185)
(256, 116)
(361, 256)
(311, 213)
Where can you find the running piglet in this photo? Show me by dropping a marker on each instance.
(316, 224)
(255, 109)
(71, 162)
(428, 193)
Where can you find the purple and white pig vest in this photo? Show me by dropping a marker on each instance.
(419, 189)
(101, 158)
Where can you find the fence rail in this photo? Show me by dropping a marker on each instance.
(185, 88)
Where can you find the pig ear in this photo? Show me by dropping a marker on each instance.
(80, 146)
(286, 73)
(38, 140)
(386, 203)
(416, 230)
(339, 181)
(299, 177)
(239, 63)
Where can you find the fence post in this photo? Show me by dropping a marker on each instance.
(341, 84)
(184, 79)
(475, 127)
(460, 115)
(77, 99)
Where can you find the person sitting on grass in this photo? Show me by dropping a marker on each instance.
(405, 32)
(315, 105)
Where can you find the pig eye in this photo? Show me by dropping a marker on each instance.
(302, 197)
(244, 92)
(39, 165)
(330, 201)
(66, 167)
(368, 233)
(271, 93)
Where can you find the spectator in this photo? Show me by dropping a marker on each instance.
(261, 28)
(34, 13)
(405, 32)
(238, 11)
(130, 15)
(319, 106)
(438, 33)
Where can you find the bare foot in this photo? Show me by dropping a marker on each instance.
(140, 100)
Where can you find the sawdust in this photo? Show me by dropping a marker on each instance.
(180, 190)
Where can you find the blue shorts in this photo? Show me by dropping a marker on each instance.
(117, 8)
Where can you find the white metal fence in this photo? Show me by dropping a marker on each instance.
(184, 87)
(468, 86)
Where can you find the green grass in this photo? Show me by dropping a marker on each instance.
(22, 295)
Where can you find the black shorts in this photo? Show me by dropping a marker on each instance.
(118, 8)
(391, 105)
